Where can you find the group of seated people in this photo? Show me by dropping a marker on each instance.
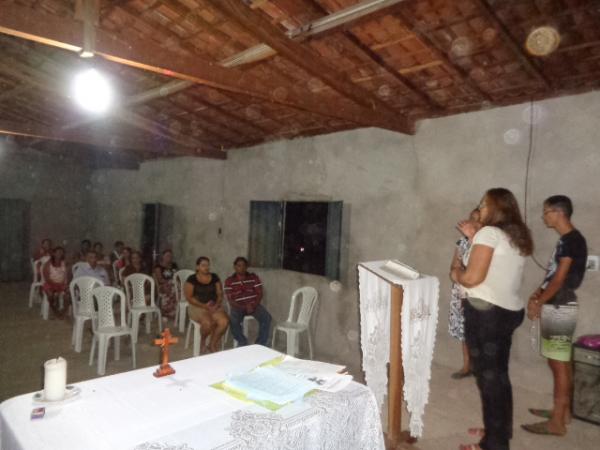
(204, 293)
(58, 271)
(203, 290)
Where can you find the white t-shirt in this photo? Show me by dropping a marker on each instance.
(504, 276)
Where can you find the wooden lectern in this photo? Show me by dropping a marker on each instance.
(395, 436)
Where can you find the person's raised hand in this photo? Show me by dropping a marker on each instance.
(468, 228)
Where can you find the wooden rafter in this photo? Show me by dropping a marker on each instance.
(375, 57)
(66, 33)
(31, 130)
(256, 25)
(439, 54)
(510, 42)
(48, 84)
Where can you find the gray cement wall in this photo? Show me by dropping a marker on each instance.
(56, 190)
(462, 156)
(402, 197)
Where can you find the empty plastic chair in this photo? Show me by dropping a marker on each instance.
(136, 299)
(105, 327)
(179, 280)
(35, 290)
(83, 306)
(298, 321)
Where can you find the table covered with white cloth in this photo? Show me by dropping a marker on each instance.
(134, 411)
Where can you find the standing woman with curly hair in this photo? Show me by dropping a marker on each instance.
(492, 275)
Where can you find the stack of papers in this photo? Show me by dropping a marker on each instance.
(284, 380)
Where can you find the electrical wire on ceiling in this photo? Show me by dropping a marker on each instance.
(532, 118)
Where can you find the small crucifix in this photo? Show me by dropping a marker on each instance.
(165, 368)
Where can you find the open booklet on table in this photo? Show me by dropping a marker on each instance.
(283, 380)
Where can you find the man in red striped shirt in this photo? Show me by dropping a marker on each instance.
(244, 293)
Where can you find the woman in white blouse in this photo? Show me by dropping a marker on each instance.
(491, 275)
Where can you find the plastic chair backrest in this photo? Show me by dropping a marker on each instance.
(179, 280)
(81, 294)
(116, 271)
(36, 266)
(309, 300)
(76, 266)
(104, 297)
(134, 289)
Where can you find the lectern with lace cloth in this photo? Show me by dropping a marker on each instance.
(398, 319)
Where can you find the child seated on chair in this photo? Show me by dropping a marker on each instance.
(55, 281)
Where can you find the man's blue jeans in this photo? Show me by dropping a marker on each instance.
(236, 316)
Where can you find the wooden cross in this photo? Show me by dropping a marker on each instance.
(165, 368)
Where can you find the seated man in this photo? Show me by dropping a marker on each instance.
(92, 269)
(244, 292)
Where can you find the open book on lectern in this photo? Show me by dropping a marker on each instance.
(402, 270)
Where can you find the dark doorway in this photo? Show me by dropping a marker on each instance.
(157, 231)
(14, 239)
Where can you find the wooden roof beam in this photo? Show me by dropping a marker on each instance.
(132, 119)
(31, 130)
(510, 42)
(382, 6)
(262, 29)
(439, 54)
(344, 17)
(65, 33)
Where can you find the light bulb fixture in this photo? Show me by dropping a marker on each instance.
(542, 41)
(92, 91)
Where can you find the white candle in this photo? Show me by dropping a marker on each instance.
(55, 379)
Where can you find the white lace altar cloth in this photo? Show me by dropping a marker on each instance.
(419, 323)
(135, 410)
(348, 419)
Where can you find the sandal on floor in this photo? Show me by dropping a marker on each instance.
(545, 414)
(469, 447)
(541, 428)
(460, 375)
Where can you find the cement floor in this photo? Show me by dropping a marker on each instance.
(26, 341)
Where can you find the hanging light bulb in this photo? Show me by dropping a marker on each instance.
(92, 91)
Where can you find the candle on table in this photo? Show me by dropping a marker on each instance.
(55, 379)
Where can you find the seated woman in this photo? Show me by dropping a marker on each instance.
(204, 294)
(163, 274)
(137, 266)
(55, 281)
(125, 258)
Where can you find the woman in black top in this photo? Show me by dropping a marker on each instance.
(204, 294)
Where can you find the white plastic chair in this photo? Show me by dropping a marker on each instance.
(245, 328)
(197, 328)
(76, 266)
(293, 327)
(105, 327)
(116, 278)
(179, 280)
(36, 286)
(83, 306)
(134, 289)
